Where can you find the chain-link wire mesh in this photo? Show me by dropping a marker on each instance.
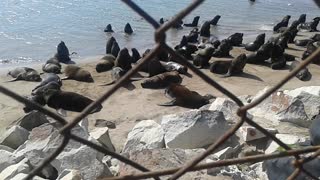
(160, 38)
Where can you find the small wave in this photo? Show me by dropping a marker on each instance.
(265, 27)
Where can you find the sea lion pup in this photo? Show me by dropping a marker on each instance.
(25, 74)
(284, 23)
(173, 66)
(314, 131)
(77, 73)
(194, 22)
(162, 80)
(205, 29)
(109, 44)
(115, 49)
(256, 44)
(215, 20)
(106, 63)
(236, 39)
(223, 50)
(135, 55)
(310, 26)
(69, 101)
(302, 18)
(63, 54)
(182, 96)
(311, 47)
(303, 74)
(128, 29)
(108, 28)
(123, 60)
(302, 42)
(203, 57)
(229, 68)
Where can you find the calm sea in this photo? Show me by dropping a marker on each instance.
(31, 29)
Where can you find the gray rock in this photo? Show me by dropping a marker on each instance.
(8, 159)
(6, 148)
(14, 137)
(102, 136)
(193, 129)
(11, 171)
(23, 175)
(314, 90)
(311, 103)
(146, 134)
(70, 174)
(225, 153)
(287, 139)
(31, 120)
(249, 133)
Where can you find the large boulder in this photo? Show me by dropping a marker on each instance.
(145, 135)
(193, 129)
(31, 120)
(102, 136)
(311, 103)
(314, 90)
(11, 171)
(14, 137)
(287, 139)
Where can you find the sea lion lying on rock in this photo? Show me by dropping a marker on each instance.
(229, 68)
(182, 96)
(77, 73)
(25, 74)
(48, 78)
(51, 68)
(162, 80)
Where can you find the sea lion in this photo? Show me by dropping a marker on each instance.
(182, 96)
(311, 47)
(289, 57)
(123, 60)
(229, 68)
(183, 42)
(161, 21)
(302, 18)
(63, 54)
(25, 74)
(303, 74)
(223, 50)
(256, 44)
(36, 99)
(278, 63)
(173, 66)
(108, 28)
(203, 57)
(314, 131)
(193, 36)
(116, 74)
(135, 55)
(162, 80)
(115, 49)
(178, 24)
(47, 78)
(215, 20)
(315, 37)
(77, 73)
(263, 54)
(69, 101)
(106, 63)
(53, 60)
(216, 43)
(194, 22)
(205, 29)
(236, 39)
(109, 44)
(51, 68)
(310, 26)
(293, 26)
(284, 23)
(155, 67)
(128, 29)
(42, 89)
(302, 42)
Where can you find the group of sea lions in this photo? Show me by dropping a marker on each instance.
(127, 29)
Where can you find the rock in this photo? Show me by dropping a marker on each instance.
(257, 171)
(9, 172)
(295, 114)
(102, 136)
(105, 123)
(14, 137)
(224, 153)
(227, 106)
(8, 159)
(6, 148)
(70, 174)
(228, 171)
(287, 139)
(31, 120)
(23, 175)
(314, 90)
(249, 133)
(193, 129)
(146, 134)
(84, 123)
(282, 168)
(311, 103)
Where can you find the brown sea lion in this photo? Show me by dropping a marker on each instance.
(25, 74)
(106, 63)
(69, 101)
(182, 96)
(155, 67)
(203, 57)
(256, 44)
(51, 68)
(229, 68)
(77, 73)
(162, 80)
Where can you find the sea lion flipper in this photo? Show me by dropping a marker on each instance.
(62, 112)
(170, 103)
(65, 78)
(107, 84)
(12, 80)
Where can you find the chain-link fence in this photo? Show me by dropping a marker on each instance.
(160, 38)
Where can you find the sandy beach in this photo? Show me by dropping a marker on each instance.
(127, 107)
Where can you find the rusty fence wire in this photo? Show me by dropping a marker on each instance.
(160, 39)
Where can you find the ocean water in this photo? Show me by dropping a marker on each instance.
(31, 29)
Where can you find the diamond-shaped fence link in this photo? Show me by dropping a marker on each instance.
(160, 39)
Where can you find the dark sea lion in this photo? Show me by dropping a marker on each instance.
(216, 43)
(315, 37)
(284, 23)
(182, 96)
(106, 63)
(310, 26)
(162, 80)
(53, 60)
(183, 42)
(77, 73)
(178, 24)
(155, 67)
(215, 20)
(314, 131)
(303, 75)
(278, 63)
(25, 74)
(194, 22)
(108, 28)
(135, 55)
(47, 78)
(302, 42)
(109, 44)
(292, 27)
(63, 54)
(205, 29)
(161, 21)
(229, 68)
(51, 68)
(173, 66)
(128, 29)
(115, 49)
(236, 39)
(223, 50)
(123, 60)
(69, 101)
(193, 36)
(36, 99)
(302, 18)
(203, 57)
(42, 89)
(256, 44)
(289, 57)
(283, 39)
(311, 47)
